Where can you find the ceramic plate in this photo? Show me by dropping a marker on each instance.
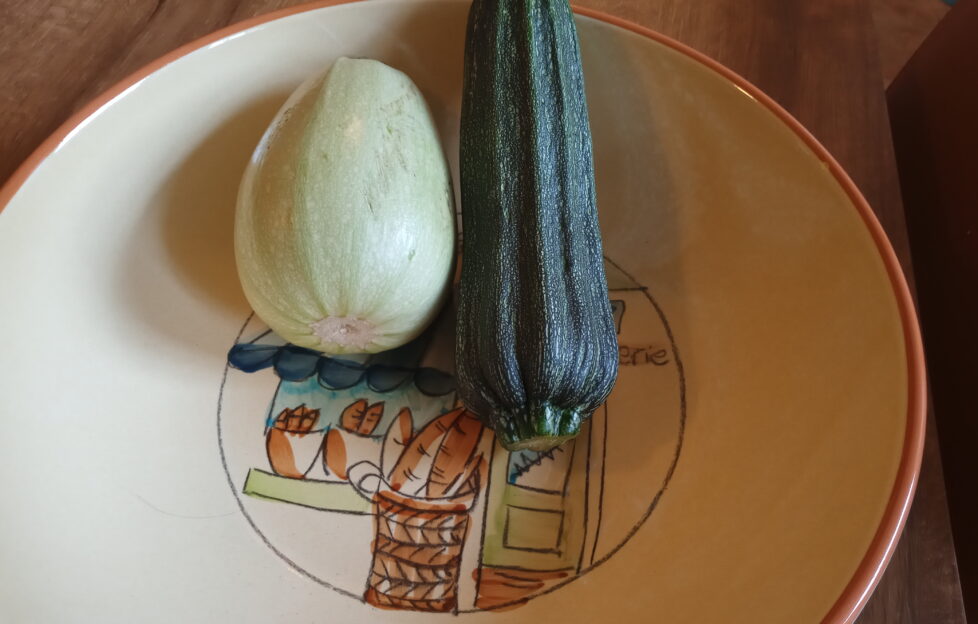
(168, 459)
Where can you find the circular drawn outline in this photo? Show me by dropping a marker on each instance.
(628, 536)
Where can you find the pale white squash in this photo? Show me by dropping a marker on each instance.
(345, 225)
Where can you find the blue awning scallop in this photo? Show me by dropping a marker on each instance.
(384, 372)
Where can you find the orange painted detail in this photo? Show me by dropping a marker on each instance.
(417, 552)
(398, 436)
(405, 422)
(511, 586)
(455, 456)
(396, 502)
(352, 416)
(384, 601)
(371, 418)
(334, 453)
(421, 446)
(280, 455)
(299, 420)
(361, 418)
(289, 424)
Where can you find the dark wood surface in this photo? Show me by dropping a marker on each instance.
(818, 59)
(934, 115)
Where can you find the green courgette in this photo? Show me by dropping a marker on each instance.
(537, 350)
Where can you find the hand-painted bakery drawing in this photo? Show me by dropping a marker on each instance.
(367, 476)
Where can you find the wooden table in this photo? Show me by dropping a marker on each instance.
(817, 58)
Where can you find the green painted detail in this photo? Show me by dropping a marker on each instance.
(540, 529)
(533, 529)
(322, 495)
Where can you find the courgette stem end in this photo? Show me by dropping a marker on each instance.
(537, 427)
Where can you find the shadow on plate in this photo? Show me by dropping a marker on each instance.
(181, 277)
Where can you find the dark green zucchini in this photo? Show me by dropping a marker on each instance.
(536, 349)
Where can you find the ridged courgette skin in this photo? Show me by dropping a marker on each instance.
(536, 347)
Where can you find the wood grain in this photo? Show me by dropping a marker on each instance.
(902, 26)
(933, 104)
(817, 59)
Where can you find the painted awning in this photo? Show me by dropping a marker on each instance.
(383, 372)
